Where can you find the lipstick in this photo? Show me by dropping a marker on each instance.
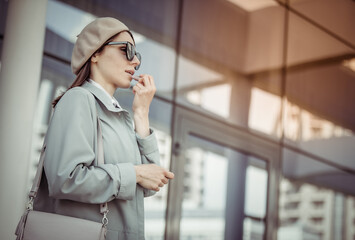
(136, 78)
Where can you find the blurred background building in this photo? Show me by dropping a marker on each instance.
(254, 111)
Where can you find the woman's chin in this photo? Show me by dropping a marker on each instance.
(124, 85)
(128, 85)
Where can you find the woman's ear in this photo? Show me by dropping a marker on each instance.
(95, 57)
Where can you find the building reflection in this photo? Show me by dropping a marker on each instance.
(310, 212)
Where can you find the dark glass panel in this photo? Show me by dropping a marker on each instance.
(230, 64)
(337, 17)
(320, 87)
(302, 168)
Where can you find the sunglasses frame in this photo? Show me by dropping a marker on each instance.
(130, 51)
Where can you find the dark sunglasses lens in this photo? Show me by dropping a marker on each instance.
(130, 51)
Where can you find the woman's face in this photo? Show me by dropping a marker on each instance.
(111, 68)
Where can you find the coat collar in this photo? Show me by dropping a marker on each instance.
(100, 95)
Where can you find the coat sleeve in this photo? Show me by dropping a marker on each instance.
(149, 151)
(70, 156)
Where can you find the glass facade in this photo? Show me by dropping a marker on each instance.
(226, 69)
(254, 111)
(321, 67)
(218, 182)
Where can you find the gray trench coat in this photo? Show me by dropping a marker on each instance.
(73, 185)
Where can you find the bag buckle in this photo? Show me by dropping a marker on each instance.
(29, 205)
(104, 219)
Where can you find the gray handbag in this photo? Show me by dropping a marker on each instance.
(37, 225)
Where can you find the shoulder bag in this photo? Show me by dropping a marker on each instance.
(37, 225)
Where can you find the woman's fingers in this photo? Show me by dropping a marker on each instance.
(147, 81)
(169, 175)
(165, 180)
(136, 89)
(145, 78)
(139, 85)
(152, 176)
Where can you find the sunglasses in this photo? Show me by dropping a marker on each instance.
(130, 51)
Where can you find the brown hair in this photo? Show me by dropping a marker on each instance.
(84, 72)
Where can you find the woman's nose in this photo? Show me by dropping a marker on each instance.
(136, 61)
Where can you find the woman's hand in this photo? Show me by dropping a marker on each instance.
(152, 176)
(144, 92)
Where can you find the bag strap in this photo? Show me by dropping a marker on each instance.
(100, 160)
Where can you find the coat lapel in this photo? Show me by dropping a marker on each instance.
(101, 96)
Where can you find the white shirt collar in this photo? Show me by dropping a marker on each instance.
(96, 84)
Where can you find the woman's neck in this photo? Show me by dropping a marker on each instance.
(108, 87)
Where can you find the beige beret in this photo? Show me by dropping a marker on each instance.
(92, 37)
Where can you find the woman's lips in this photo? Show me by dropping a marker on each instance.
(136, 78)
(130, 72)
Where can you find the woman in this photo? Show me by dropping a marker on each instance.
(103, 59)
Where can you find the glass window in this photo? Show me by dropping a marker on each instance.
(315, 199)
(255, 199)
(255, 191)
(224, 193)
(314, 212)
(305, 168)
(158, 60)
(155, 207)
(57, 71)
(231, 69)
(265, 103)
(320, 86)
(63, 24)
(309, 45)
(253, 229)
(335, 16)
